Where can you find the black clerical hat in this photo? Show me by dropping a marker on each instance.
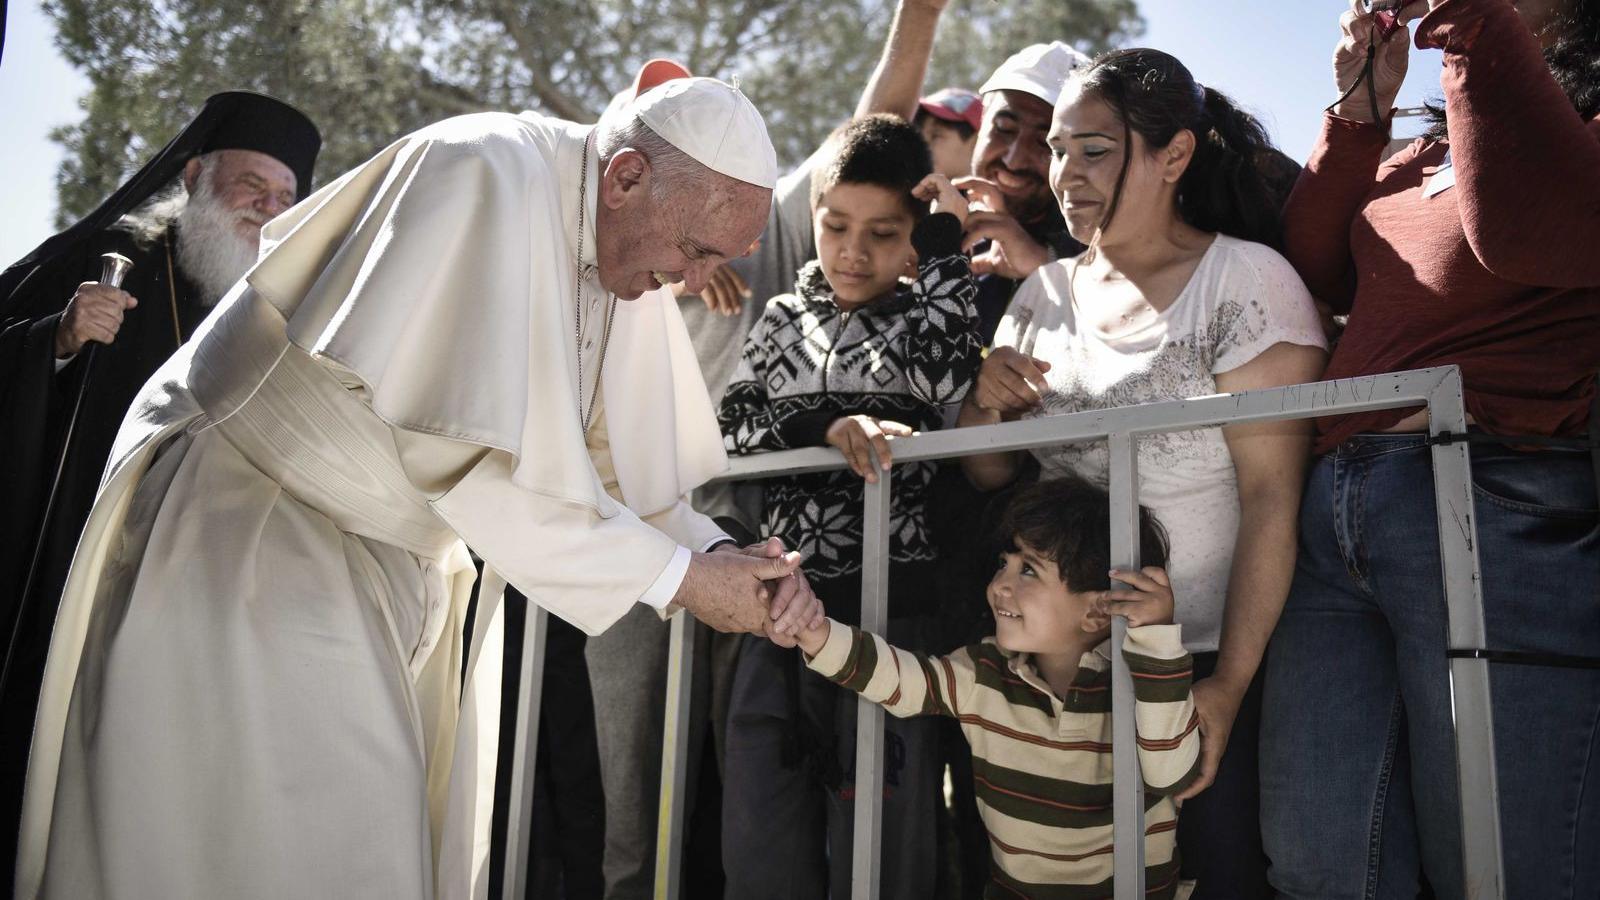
(248, 121)
(232, 120)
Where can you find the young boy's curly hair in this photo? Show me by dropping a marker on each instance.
(1069, 520)
(882, 150)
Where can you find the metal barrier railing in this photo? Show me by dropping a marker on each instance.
(1439, 389)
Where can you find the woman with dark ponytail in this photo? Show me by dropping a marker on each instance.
(1476, 246)
(1180, 294)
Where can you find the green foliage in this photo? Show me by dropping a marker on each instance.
(369, 71)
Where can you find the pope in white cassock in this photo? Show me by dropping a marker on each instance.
(254, 684)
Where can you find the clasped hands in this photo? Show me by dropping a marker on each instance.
(758, 589)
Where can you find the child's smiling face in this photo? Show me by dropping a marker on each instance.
(863, 234)
(1034, 610)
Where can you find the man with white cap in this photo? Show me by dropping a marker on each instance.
(1016, 224)
(255, 685)
(1011, 175)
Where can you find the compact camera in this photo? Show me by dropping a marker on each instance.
(1386, 13)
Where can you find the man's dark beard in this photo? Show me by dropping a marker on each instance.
(1032, 208)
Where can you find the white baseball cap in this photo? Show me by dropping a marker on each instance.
(715, 124)
(1040, 70)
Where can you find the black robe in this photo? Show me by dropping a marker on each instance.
(35, 405)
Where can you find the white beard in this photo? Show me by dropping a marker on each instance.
(211, 251)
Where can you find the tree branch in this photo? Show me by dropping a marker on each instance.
(553, 98)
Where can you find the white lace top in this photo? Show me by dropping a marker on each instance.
(1242, 299)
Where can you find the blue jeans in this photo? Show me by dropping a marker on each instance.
(1358, 776)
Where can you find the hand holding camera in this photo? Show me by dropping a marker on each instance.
(1369, 62)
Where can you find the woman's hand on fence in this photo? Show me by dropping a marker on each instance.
(858, 436)
(1011, 382)
(1217, 703)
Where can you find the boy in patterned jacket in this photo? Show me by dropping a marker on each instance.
(851, 359)
(1033, 700)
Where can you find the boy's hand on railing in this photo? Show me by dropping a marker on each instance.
(859, 435)
(1011, 382)
(1146, 601)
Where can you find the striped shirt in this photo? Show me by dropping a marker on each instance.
(1042, 765)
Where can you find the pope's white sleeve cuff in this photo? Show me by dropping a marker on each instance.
(665, 587)
(719, 539)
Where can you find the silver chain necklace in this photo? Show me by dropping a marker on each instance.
(605, 338)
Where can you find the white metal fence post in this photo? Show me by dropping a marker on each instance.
(1127, 789)
(675, 758)
(1482, 869)
(524, 752)
(865, 868)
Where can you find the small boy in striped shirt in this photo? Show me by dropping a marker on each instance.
(1034, 701)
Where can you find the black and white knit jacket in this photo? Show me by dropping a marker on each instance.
(807, 363)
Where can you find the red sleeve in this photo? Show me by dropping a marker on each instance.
(1527, 166)
(1326, 198)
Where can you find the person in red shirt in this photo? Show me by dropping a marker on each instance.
(1476, 246)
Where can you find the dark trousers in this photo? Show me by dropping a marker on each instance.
(1219, 830)
(786, 833)
(790, 771)
(568, 827)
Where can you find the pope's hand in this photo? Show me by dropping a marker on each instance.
(735, 591)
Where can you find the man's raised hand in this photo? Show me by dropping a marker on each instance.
(725, 291)
(1012, 252)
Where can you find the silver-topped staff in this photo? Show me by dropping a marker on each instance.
(113, 268)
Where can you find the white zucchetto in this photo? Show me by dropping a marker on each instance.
(715, 124)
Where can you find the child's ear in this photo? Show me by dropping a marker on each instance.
(911, 266)
(1095, 619)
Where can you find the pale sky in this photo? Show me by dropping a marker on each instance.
(1270, 56)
